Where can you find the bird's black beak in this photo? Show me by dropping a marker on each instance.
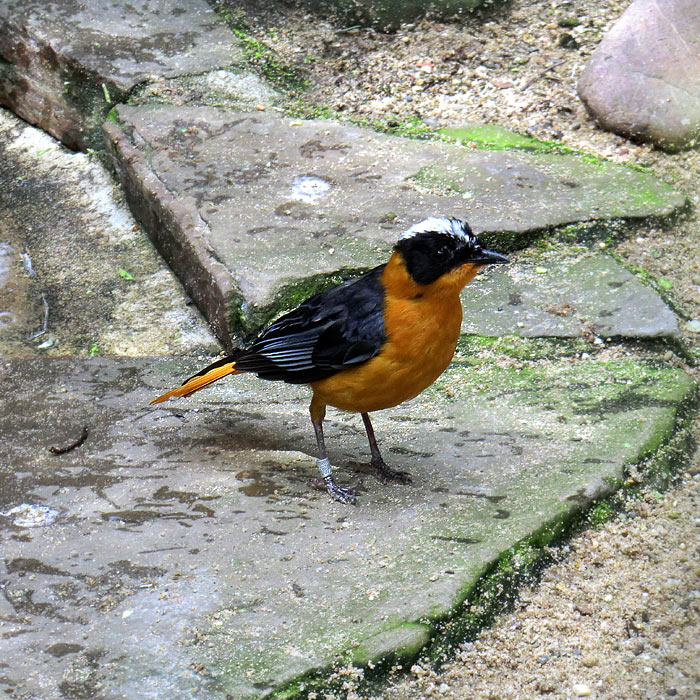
(481, 256)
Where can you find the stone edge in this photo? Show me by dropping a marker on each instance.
(176, 234)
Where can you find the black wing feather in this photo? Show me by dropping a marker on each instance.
(336, 329)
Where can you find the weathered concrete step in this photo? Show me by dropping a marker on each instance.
(593, 295)
(77, 275)
(64, 64)
(180, 552)
(254, 211)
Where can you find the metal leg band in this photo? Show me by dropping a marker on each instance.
(324, 466)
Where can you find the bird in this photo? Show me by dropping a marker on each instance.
(371, 342)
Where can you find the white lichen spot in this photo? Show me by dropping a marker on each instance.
(31, 515)
(307, 188)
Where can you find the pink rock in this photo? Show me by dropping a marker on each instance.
(643, 81)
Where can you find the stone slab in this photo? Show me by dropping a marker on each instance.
(592, 296)
(64, 64)
(643, 80)
(255, 211)
(76, 272)
(181, 553)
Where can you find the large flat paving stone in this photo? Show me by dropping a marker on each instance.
(77, 274)
(255, 211)
(181, 552)
(566, 299)
(64, 64)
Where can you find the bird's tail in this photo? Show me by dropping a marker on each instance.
(215, 371)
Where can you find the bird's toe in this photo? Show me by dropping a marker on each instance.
(338, 493)
(386, 473)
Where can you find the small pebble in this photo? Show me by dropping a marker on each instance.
(581, 690)
(589, 660)
(583, 609)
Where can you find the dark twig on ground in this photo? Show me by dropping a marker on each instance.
(77, 443)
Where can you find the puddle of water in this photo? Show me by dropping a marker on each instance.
(256, 485)
(26, 565)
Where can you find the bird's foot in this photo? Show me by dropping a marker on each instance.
(338, 493)
(386, 473)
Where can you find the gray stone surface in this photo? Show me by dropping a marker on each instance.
(181, 553)
(76, 272)
(592, 296)
(64, 64)
(254, 211)
(643, 81)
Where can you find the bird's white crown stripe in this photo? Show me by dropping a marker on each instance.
(439, 224)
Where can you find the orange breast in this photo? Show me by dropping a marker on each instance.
(422, 326)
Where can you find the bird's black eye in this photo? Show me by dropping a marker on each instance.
(442, 251)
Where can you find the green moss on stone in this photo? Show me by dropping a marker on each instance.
(260, 57)
(113, 116)
(249, 322)
(412, 128)
(601, 513)
(495, 137)
(399, 644)
(491, 349)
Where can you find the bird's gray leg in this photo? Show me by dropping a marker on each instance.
(318, 413)
(385, 472)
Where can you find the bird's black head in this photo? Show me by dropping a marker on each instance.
(435, 246)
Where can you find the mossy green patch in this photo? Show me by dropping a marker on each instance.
(248, 322)
(588, 386)
(399, 644)
(479, 349)
(601, 513)
(113, 116)
(260, 57)
(654, 193)
(267, 63)
(411, 128)
(493, 136)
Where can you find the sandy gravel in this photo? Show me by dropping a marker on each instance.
(619, 615)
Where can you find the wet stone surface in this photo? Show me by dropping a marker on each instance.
(591, 296)
(254, 211)
(64, 64)
(76, 272)
(182, 552)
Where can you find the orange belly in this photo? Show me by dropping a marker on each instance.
(422, 336)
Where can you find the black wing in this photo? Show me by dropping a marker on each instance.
(331, 331)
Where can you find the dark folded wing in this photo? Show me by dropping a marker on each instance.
(339, 328)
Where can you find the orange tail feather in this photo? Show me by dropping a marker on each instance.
(199, 381)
